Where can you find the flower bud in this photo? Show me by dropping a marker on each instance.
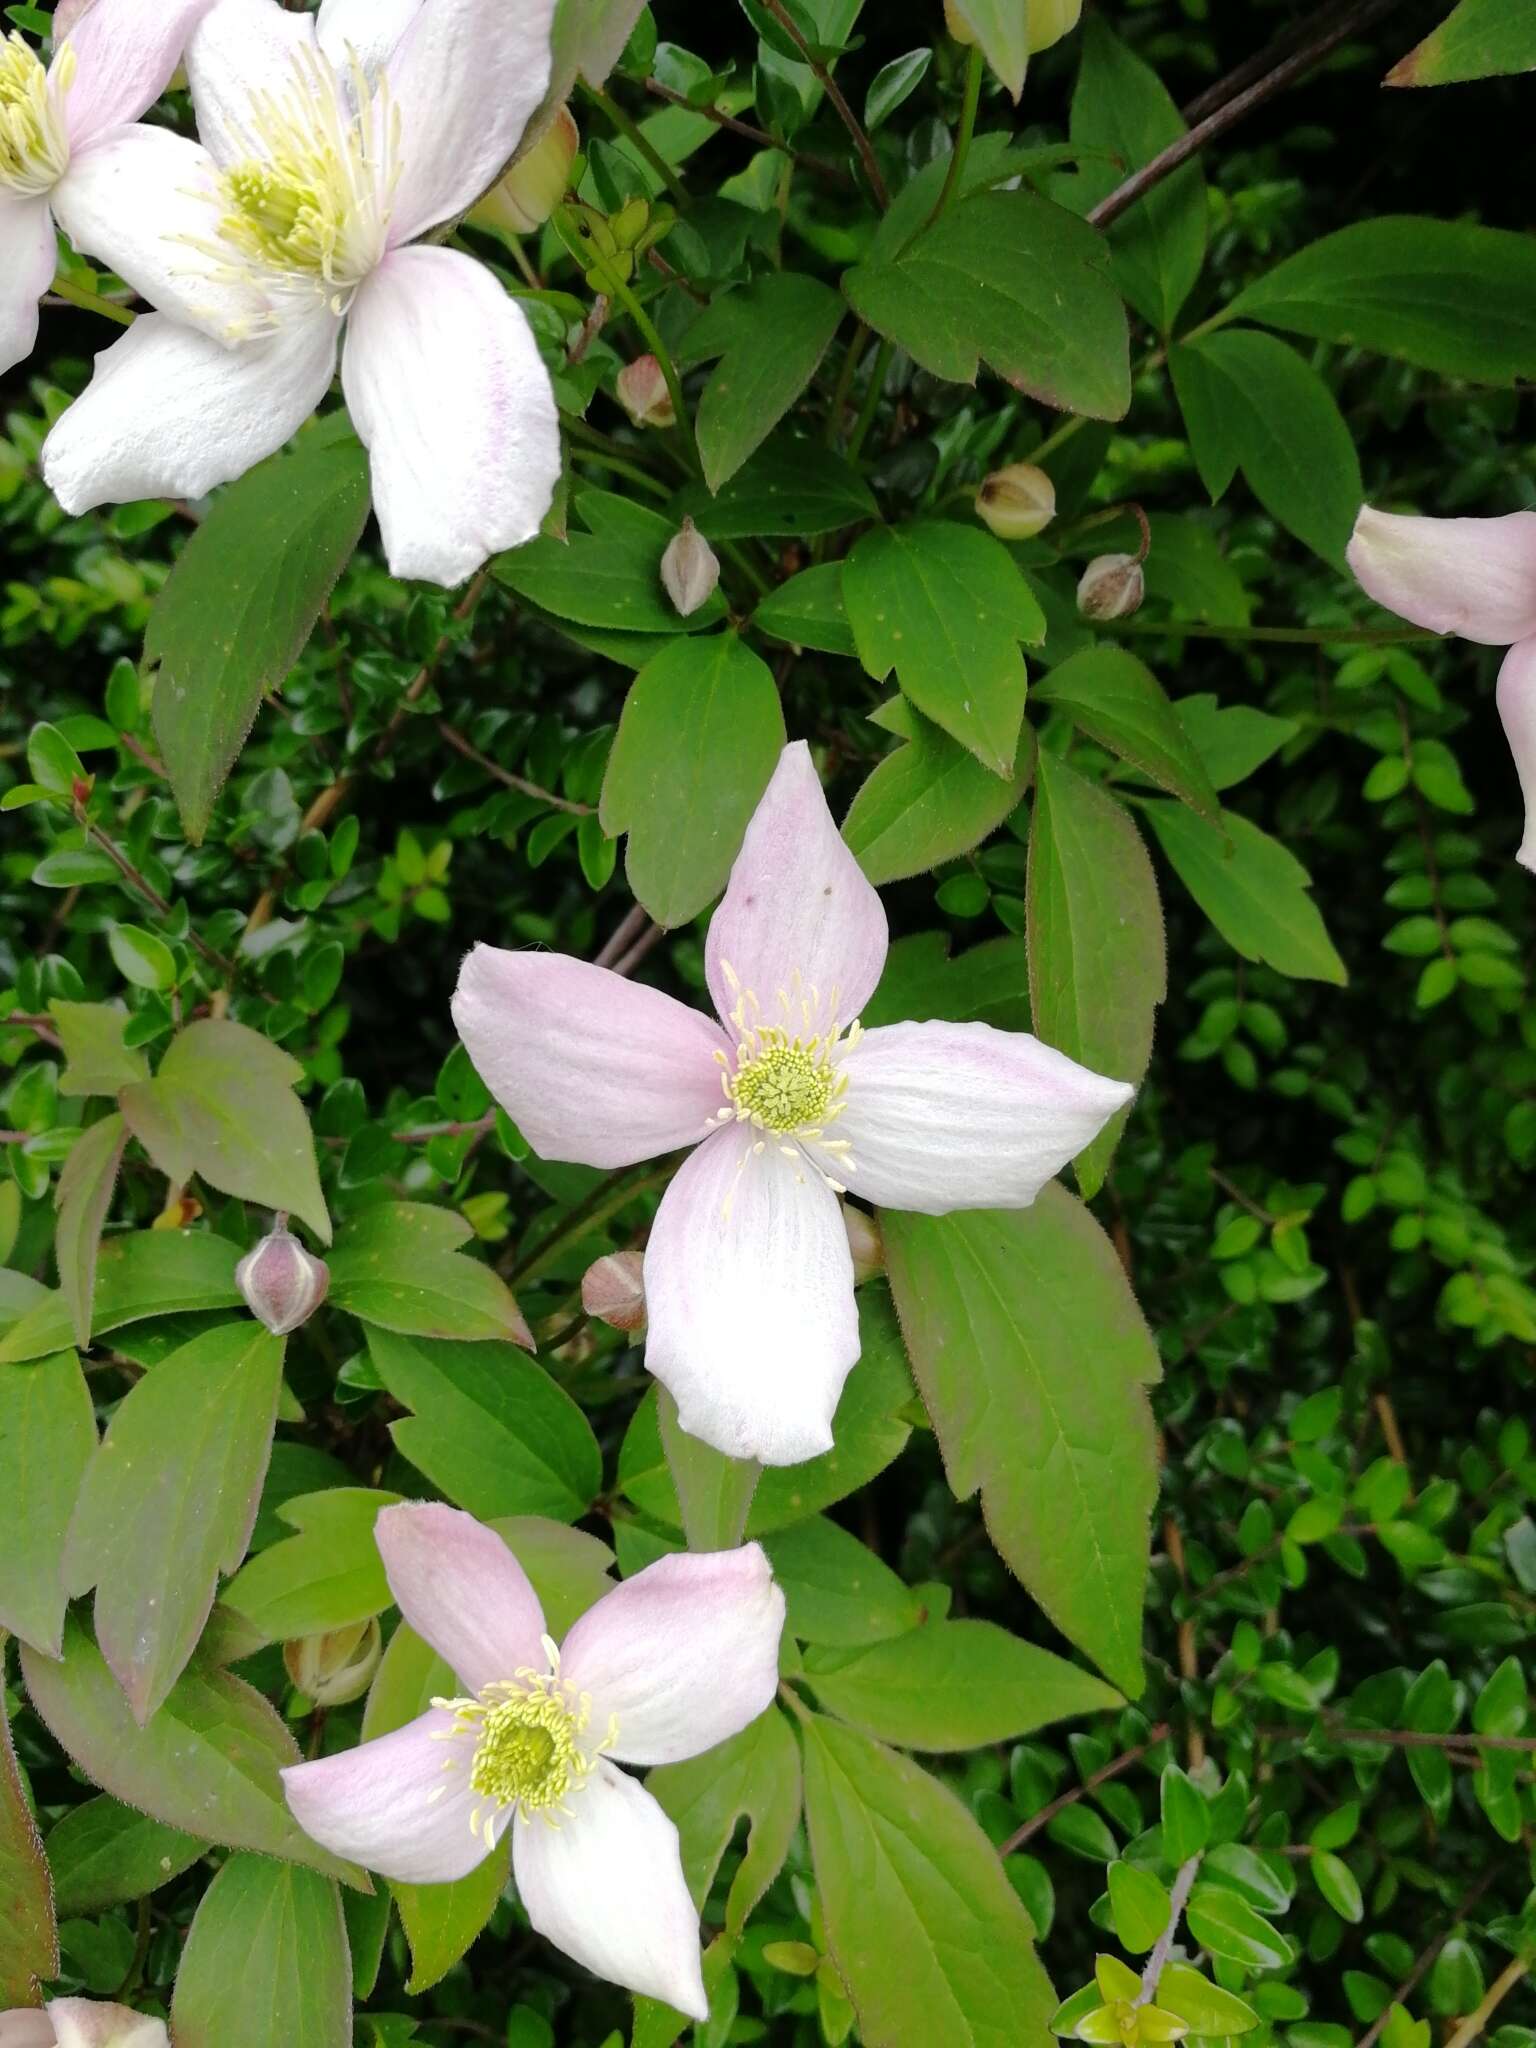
(1050, 20)
(644, 395)
(1112, 587)
(957, 25)
(865, 1243)
(536, 183)
(613, 1290)
(337, 1667)
(283, 1284)
(1017, 502)
(690, 569)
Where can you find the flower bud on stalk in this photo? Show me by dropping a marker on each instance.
(1112, 587)
(643, 393)
(1017, 502)
(283, 1284)
(690, 569)
(535, 185)
(335, 1668)
(613, 1290)
(1048, 21)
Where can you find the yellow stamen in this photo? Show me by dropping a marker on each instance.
(529, 1749)
(34, 145)
(787, 1078)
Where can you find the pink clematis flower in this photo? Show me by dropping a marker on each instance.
(675, 1660)
(81, 2023)
(1475, 577)
(333, 143)
(748, 1275)
(71, 151)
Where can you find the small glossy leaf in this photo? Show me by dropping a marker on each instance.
(1229, 1927)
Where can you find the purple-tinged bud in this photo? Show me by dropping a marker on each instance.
(335, 1668)
(865, 1243)
(1017, 502)
(690, 569)
(1112, 587)
(535, 185)
(613, 1290)
(643, 393)
(283, 1284)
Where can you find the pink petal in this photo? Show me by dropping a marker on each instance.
(365, 29)
(963, 1116)
(241, 50)
(684, 1655)
(89, 2023)
(126, 53)
(465, 76)
(606, 1887)
(797, 903)
(375, 1804)
(1517, 708)
(451, 398)
(749, 1292)
(26, 2027)
(589, 1066)
(28, 256)
(460, 1588)
(1475, 577)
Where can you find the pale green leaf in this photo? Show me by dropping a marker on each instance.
(267, 1942)
(928, 802)
(83, 1197)
(1252, 888)
(103, 1854)
(47, 1437)
(396, 1265)
(97, 1061)
(1477, 39)
(755, 1776)
(29, 1942)
(327, 1576)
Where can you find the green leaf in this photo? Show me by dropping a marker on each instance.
(169, 1500)
(84, 1195)
(53, 763)
(1501, 1708)
(140, 1274)
(141, 957)
(1186, 1816)
(1007, 278)
(926, 803)
(893, 84)
(1203, 2006)
(1139, 1906)
(222, 1106)
(770, 335)
(808, 611)
(1097, 962)
(988, 984)
(753, 1777)
(793, 488)
(1478, 39)
(714, 1492)
(29, 1942)
(47, 1437)
(945, 606)
(240, 603)
(396, 1265)
(1230, 1928)
(1122, 110)
(1252, 889)
(267, 1942)
(103, 1854)
(956, 1685)
(1251, 402)
(91, 1036)
(1450, 296)
(927, 1933)
(1001, 30)
(1232, 740)
(490, 1427)
(327, 1576)
(701, 733)
(1338, 1885)
(209, 1759)
(609, 576)
(1033, 1360)
(838, 1591)
(1117, 700)
(73, 868)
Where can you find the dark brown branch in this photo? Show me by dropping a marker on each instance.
(834, 93)
(1112, 1769)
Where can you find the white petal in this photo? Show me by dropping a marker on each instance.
(241, 49)
(126, 53)
(683, 1655)
(749, 1293)
(26, 2027)
(963, 1116)
(169, 413)
(363, 30)
(146, 202)
(1476, 577)
(797, 904)
(1517, 709)
(446, 387)
(606, 1887)
(466, 75)
(28, 258)
(383, 1804)
(90, 2023)
(460, 1588)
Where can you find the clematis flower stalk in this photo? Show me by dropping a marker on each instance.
(333, 142)
(72, 152)
(1474, 577)
(749, 1277)
(81, 2023)
(675, 1660)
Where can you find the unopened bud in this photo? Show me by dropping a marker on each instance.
(690, 569)
(644, 395)
(1050, 20)
(613, 1290)
(865, 1243)
(1017, 502)
(283, 1284)
(338, 1667)
(536, 183)
(1112, 587)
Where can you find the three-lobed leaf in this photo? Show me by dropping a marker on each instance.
(398, 1265)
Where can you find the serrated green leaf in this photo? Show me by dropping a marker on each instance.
(1252, 889)
(103, 1854)
(268, 1941)
(29, 1942)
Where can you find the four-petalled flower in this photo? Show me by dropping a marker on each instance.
(667, 1665)
(80, 2023)
(748, 1274)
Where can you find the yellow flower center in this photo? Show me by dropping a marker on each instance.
(529, 1754)
(787, 1087)
(786, 1080)
(34, 147)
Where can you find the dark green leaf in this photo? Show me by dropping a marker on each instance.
(83, 1196)
(770, 336)
(926, 803)
(1117, 700)
(1477, 39)
(609, 576)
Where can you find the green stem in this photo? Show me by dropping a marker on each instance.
(871, 403)
(850, 363)
(588, 1216)
(635, 136)
(596, 447)
(92, 302)
(975, 65)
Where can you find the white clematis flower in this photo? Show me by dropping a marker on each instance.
(748, 1274)
(81, 2023)
(677, 1659)
(333, 142)
(70, 149)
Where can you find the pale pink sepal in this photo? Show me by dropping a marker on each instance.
(1475, 577)
(93, 2023)
(461, 1589)
(126, 53)
(383, 1804)
(1517, 709)
(28, 255)
(26, 2027)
